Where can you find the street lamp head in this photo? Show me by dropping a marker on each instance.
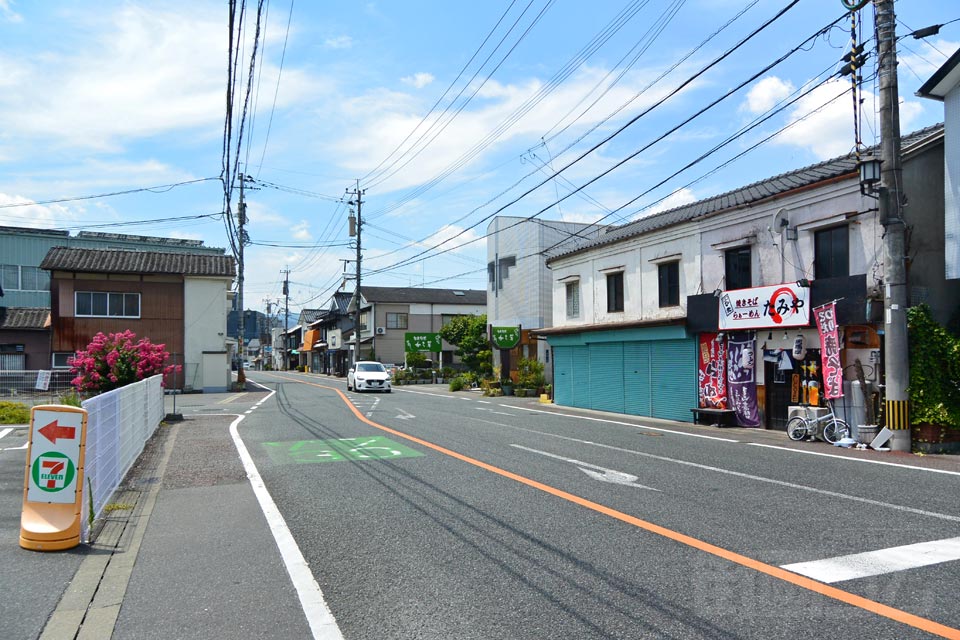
(869, 169)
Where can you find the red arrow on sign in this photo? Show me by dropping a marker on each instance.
(53, 431)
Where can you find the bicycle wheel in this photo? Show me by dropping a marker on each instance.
(796, 428)
(835, 430)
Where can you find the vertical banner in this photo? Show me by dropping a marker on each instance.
(712, 380)
(741, 378)
(832, 370)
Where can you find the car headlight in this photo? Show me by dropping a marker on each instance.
(361, 379)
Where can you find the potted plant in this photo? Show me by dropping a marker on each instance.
(934, 384)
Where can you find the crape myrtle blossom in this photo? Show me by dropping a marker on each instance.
(117, 359)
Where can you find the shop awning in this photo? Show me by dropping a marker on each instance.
(313, 335)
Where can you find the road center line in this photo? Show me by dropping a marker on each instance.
(875, 563)
(795, 579)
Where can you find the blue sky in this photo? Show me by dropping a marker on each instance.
(129, 95)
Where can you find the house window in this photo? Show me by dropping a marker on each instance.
(573, 299)
(615, 292)
(17, 278)
(60, 360)
(669, 276)
(737, 274)
(363, 321)
(396, 320)
(103, 304)
(831, 248)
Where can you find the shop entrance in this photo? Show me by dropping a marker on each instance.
(788, 383)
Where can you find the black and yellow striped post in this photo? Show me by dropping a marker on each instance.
(898, 415)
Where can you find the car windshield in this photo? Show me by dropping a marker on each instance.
(370, 366)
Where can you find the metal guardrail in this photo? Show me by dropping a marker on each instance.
(34, 387)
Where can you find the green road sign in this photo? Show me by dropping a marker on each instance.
(429, 342)
(505, 337)
(313, 451)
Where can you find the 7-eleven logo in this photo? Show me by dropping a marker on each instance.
(53, 471)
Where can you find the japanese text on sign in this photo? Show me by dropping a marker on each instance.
(429, 342)
(829, 351)
(778, 306)
(505, 337)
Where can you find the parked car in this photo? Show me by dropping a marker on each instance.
(368, 376)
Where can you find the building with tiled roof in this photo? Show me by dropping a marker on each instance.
(24, 338)
(180, 300)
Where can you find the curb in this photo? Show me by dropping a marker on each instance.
(91, 603)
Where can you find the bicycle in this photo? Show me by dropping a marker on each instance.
(833, 430)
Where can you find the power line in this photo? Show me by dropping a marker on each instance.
(634, 120)
(163, 188)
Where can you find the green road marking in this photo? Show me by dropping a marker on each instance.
(312, 451)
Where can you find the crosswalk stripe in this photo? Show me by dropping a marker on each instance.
(875, 563)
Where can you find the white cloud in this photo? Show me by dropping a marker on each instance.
(381, 120)
(677, 199)
(827, 129)
(925, 58)
(33, 215)
(301, 231)
(418, 80)
(7, 12)
(137, 73)
(338, 42)
(767, 93)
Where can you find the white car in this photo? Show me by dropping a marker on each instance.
(368, 376)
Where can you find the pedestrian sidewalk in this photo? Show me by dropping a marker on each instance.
(184, 551)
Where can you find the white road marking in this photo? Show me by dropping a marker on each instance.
(597, 473)
(626, 424)
(849, 459)
(4, 432)
(875, 563)
(499, 413)
(405, 415)
(318, 614)
(782, 483)
(425, 393)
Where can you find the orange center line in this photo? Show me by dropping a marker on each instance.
(803, 582)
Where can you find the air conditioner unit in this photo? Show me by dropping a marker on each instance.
(381, 331)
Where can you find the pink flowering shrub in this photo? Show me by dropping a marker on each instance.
(117, 359)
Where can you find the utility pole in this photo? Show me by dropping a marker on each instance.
(286, 316)
(242, 240)
(355, 226)
(896, 348)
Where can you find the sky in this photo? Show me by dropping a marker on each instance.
(443, 114)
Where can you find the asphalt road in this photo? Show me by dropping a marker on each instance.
(436, 515)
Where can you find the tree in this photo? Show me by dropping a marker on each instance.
(469, 335)
(114, 360)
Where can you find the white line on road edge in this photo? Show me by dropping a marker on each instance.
(4, 432)
(318, 614)
(875, 563)
(424, 393)
(849, 459)
(739, 474)
(626, 424)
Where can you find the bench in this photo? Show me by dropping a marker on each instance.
(721, 417)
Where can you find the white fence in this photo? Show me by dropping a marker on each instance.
(119, 423)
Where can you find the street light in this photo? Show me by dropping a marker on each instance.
(869, 168)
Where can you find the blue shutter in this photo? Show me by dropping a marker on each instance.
(563, 375)
(674, 378)
(636, 378)
(606, 376)
(580, 364)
